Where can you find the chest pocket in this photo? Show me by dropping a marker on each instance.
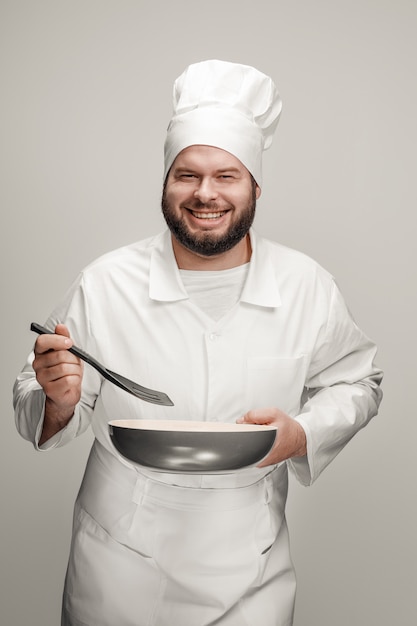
(275, 382)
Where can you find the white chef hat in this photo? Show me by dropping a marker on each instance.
(226, 105)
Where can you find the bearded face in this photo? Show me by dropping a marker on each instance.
(209, 200)
(208, 242)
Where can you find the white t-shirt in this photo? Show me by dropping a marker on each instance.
(215, 292)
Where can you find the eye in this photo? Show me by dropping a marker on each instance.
(227, 176)
(187, 176)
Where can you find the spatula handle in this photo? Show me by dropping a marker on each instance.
(41, 330)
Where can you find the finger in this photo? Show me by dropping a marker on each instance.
(47, 375)
(273, 456)
(53, 357)
(268, 460)
(64, 391)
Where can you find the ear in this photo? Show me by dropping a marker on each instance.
(258, 192)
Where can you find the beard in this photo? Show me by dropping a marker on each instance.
(208, 243)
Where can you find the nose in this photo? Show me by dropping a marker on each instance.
(206, 190)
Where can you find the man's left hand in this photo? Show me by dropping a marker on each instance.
(290, 440)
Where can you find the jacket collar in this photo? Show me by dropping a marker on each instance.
(261, 287)
(165, 282)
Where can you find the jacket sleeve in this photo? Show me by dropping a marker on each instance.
(28, 396)
(342, 391)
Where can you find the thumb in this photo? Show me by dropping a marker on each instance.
(61, 329)
(255, 416)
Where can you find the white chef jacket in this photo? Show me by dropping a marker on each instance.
(290, 342)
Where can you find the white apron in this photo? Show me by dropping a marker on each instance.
(146, 553)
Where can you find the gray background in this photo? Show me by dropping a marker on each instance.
(86, 97)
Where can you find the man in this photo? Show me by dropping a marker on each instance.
(234, 328)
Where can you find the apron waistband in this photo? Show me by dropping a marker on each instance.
(209, 498)
(138, 486)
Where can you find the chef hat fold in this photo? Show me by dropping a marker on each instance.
(226, 105)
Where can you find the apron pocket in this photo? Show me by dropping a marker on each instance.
(108, 583)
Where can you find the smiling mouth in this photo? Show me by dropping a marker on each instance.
(212, 215)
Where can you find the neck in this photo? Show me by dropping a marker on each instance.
(187, 260)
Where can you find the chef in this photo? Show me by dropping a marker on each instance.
(235, 328)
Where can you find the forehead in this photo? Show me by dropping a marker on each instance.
(207, 158)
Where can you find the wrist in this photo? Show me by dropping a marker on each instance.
(301, 441)
(56, 414)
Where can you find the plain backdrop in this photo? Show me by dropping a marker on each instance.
(85, 100)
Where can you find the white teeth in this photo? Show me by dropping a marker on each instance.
(208, 216)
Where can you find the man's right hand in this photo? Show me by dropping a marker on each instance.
(59, 372)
